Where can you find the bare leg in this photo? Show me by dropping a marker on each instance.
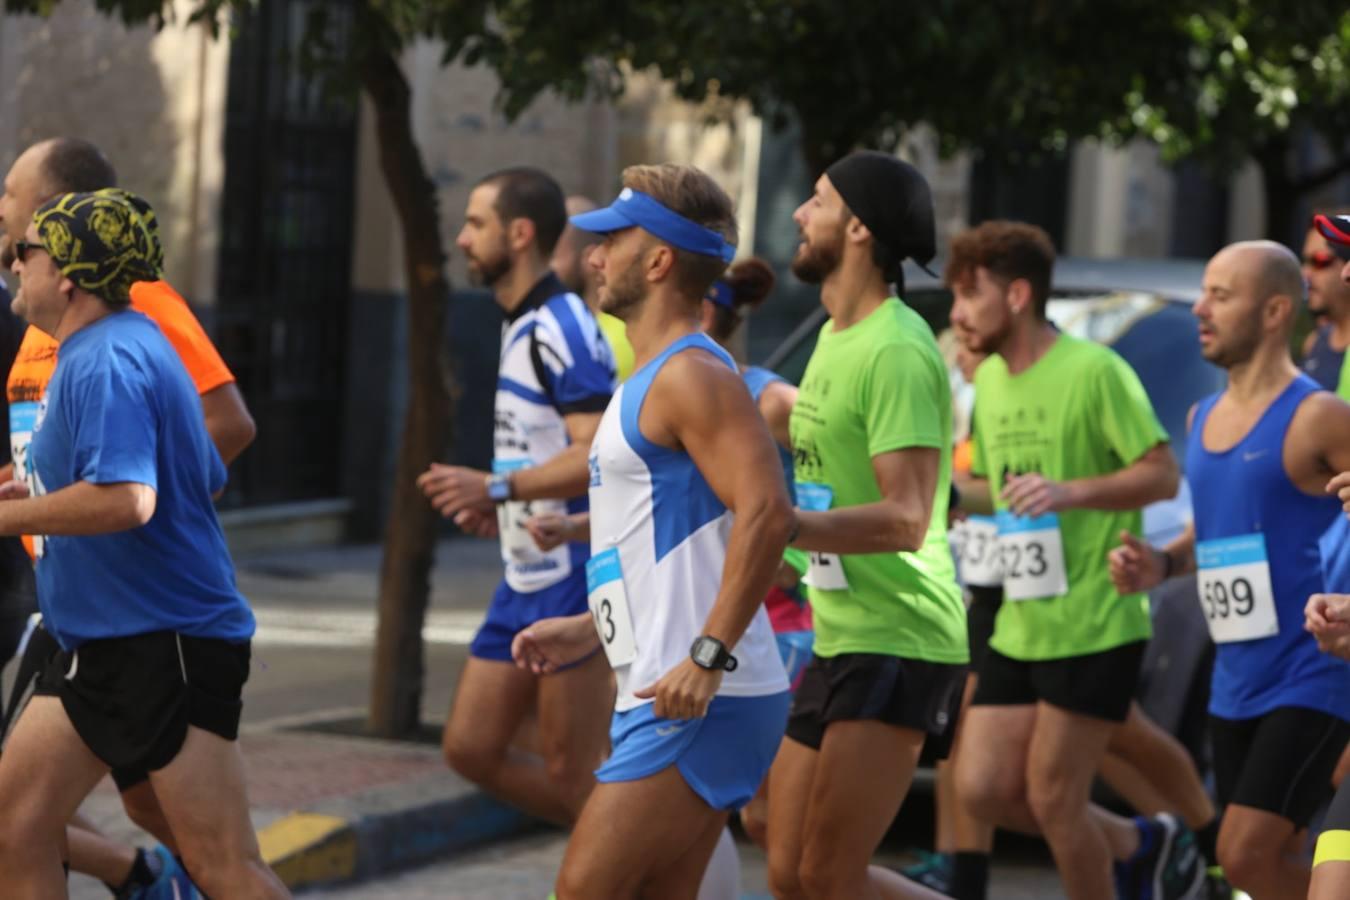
(575, 707)
(790, 784)
(969, 834)
(143, 808)
(94, 855)
(1252, 845)
(204, 798)
(45, 773)
(1163, 764)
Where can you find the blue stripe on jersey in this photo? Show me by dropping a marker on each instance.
(682, 502)
(515, 387)
(524, 332)
(587, 376)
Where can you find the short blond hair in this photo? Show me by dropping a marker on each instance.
(692, 193)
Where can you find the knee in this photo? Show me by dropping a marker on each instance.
(142, 808)
(1053, 804)
(984, 795)
(784, 877)
(755, 825)
(475, 761)
(1247, 865)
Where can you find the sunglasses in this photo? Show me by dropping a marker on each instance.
(1321, 259)
(23, 248)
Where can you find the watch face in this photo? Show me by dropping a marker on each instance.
(705, 652)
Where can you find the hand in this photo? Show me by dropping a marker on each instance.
(684, 692)
(549, 530)
(453, 488)
(550, 644)
(1034, 495)
(1340, 486)
(13, 490)
(787, 578)
(1135, 566)
(477, 522)
(1327, 615)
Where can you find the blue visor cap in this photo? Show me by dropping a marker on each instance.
(634, 209)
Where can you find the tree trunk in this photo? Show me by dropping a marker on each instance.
(1280, 193)
(409, 545)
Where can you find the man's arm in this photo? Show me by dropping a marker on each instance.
(699, 404)
(1152, 477)
(228, 421)
(899, 521)
(454, 488)
(83, 508)
(1136, 566)
(976, 497)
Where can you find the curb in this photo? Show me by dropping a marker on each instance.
(385, 833)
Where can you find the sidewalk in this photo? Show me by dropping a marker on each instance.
(333, 809)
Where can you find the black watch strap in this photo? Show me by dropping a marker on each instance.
(710, 653)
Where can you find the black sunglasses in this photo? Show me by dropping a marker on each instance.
(23, 248)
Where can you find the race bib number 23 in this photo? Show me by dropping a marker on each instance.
(1032, 554)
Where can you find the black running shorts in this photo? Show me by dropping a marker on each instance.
(980, 616)
(1100, 685)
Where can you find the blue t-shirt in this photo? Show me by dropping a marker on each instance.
(121, 408)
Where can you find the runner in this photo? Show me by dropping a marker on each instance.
(569, 263)
(134, 578)
(689, 519)
(1328, 619)
(556, 376)
(871, 435)
(1057, 680)
(1329, 304)
(43, 171)
(1258, 465)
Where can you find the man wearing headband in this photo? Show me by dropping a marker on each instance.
(689, 519)
(556, 375)
(1257, 462)
(872, 445)
(134, 579)
(45, 170)
(1329, 304)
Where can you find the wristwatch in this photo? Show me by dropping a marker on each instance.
(710, 653)
(499, 487)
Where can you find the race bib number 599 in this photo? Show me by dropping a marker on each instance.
(1235, 591)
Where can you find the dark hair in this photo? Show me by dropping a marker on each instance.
(75, 166)
(693, 194)
(1009, 251)
(527, 193)
(751, 281)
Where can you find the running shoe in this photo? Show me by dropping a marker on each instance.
(1172, 869)
(933, 870)
(173, 882)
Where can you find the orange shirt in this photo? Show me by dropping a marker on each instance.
(36, 361)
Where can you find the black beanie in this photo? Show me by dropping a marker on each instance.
(892, 199)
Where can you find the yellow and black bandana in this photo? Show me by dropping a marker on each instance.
(105, 241)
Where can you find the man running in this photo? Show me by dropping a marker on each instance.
(872, 444)
(1065, 477)
(43, 171)
(134, 578)
(1329, 304)
(555, 379)
(689, 519)
(1258, 463)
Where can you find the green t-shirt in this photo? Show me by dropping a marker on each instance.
(873, 388)
(616, 332)
(1343, 384)
(1078, 412)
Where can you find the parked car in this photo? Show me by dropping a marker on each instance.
(1142, 309)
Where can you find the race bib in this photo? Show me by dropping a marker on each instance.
(827, 569)
(981, 564)
(517, 545)
(24, 419)
(1235, 591)
(1031, 552)
(609, 607)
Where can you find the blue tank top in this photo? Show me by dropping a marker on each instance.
(1245, 490)
(1323, 362)
(757, 379)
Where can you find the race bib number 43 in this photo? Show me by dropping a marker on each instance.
(608, 600)
(1032, 555)
(1235, 591)
(827, 569)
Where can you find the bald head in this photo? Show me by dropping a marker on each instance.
(1273, 268)
(573, 249)
(47, 169)
(1252, 293)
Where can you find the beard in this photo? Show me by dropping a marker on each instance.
(487, 271)
(813, 263)
(625, 294)
(1235, 350)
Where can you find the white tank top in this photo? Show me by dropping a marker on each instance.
(652, 505)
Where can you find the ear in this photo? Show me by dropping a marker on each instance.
(855, 232)
(1279, 309)
(659, 262)
(520, 234)
(67, 287)
(1018, 295)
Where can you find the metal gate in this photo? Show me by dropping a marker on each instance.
(284, 283)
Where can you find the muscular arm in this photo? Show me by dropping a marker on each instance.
(83, 508)
(775, 405)
(1152, 477)
(899, 521)
(228, 421)
(697, 403)
(565, 475)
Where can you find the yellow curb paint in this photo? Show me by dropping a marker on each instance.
(307, 848)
